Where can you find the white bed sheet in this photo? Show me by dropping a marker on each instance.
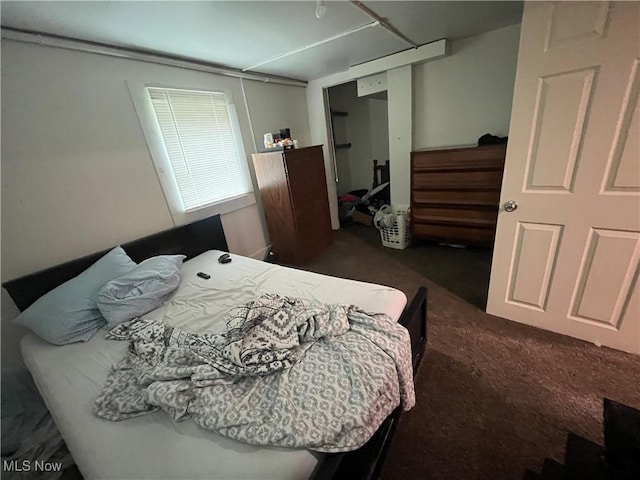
(154, 446)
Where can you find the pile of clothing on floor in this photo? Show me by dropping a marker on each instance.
(361, 206)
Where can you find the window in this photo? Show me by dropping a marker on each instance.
(203, 162)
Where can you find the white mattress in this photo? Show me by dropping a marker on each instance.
(154, 446)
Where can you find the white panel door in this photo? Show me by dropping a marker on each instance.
(566, 258)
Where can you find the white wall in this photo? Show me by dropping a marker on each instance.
(270, 107)
(400, 98)
(461, 97)
(274, 106)
(77, 175)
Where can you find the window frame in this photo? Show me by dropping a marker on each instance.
(162, 163)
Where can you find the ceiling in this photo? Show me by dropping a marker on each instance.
(271, 37)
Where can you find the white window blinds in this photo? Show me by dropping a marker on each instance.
(199, 140)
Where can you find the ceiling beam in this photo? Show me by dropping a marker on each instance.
(430, 51)
(384, 23)
(312, 45)
(68, 43)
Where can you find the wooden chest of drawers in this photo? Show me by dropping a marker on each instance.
(293, 187)
(455, 194)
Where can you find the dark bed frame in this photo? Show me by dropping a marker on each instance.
(196, 238)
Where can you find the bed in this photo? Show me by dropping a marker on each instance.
(70, 377)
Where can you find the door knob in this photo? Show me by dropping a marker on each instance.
(510, 206)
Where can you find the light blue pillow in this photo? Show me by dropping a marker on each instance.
(69, 313)
(140, 290)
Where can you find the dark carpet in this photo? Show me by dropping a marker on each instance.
(494, 397)
(463, 271)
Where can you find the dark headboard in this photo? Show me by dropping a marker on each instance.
(190, 240)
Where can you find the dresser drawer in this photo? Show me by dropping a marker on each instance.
(488, 178)
(453, 197)
(454, 234)
(460, 158)
(480, 217)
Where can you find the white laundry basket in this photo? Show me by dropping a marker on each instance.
(399, 235)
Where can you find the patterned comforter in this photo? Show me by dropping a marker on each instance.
(286, 372)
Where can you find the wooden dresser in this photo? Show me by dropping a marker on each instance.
(455, 194)
(293, 187)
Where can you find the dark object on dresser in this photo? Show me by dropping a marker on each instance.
(488, 139)
(455, 194)
(293, 187)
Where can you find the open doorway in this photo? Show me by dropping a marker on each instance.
(360, 133)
